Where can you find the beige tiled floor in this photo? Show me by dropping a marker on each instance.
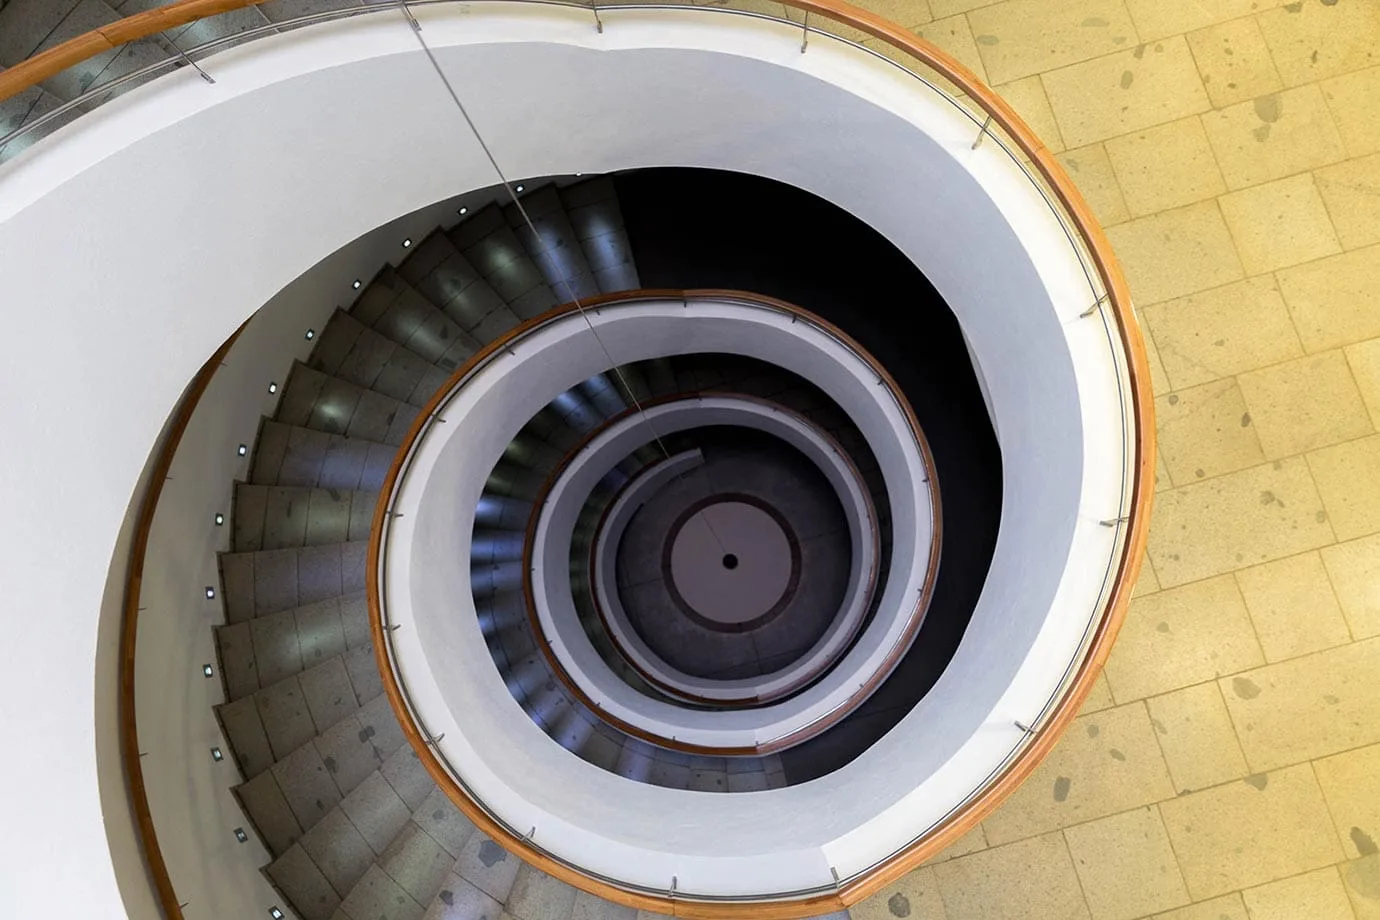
(1228, 765)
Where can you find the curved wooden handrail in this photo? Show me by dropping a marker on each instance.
(1118, 301)
(129, 628)
(558, 669)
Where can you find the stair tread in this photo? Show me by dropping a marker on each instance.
(293, 455)
(491, 246)
(353, 351)
(442, 274)
(279, 517)
(320, 401)
(265, 581)
(392, 307)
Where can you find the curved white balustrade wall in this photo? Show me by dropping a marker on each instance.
(555, 603)
(150, 229)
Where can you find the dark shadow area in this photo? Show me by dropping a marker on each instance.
(705, 228)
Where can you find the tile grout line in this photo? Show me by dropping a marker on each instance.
(1073, 865)
(1303, 454)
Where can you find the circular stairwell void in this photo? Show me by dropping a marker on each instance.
(768, 728)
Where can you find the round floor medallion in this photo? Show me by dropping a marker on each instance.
(732, 563)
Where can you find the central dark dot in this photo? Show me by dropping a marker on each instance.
(730, 561)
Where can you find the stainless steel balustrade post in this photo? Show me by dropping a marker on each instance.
(204, 75)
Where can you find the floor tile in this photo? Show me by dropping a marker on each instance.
(1019, 38)
(1162, 477)
(1353, 100)
(1361, 877)
(1206, 431)
(1351, 785)
(1316, 895)
(1166, 166)
(1279, 224)
(1250, 831)
(1197, 737)
(1147, 583)
(1237, 520)
(1306, 707)
(1033, 878)
(1305, 404)
(1126, 91)
(1234, 61)
(970, 842)
(1315, 40)
(915, 895)
(952, 7)
(1364, 359)
(1158, 18)
(1352, 567)
(954, 36)
(1351, 191)
(1176, 252)
(1126, 866)
(1225, 908)
(1182, 636)
(1105, 763)
(1100, 697)
(1332, 300)
(1091, 171)
(1274, 136)
(1348, 478)
(1027, 97)
(1292, 606)
(903, 12)
(1159, 381)
(1223, 331)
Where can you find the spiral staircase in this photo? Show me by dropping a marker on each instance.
(349, 814)
(603, 557)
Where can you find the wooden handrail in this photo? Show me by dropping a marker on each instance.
(1001, 116)
(129, 628)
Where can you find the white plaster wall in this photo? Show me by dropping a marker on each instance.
(133, 242)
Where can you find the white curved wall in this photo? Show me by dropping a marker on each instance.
(137, 239)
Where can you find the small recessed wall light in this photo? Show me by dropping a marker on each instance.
(578, 175)
(464, 211)
(240, 835)
(275, 913)
(208, 670)
(220, 520)
(356, 284)
(242, 449)
(210, 593)
(311, 334)
(216, 755)
(407, 242)
(273, 387)
(519, 188)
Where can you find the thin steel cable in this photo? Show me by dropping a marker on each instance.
(571, 297)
